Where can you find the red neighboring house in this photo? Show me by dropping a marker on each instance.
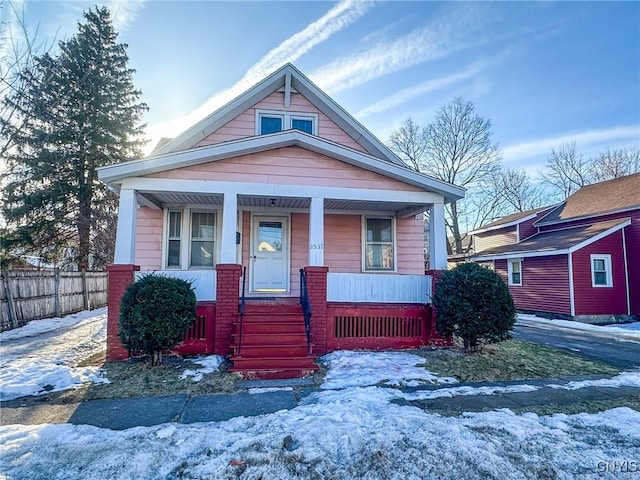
(579, 259)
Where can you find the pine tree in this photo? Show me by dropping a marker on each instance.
(82, 112)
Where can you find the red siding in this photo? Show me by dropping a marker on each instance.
(545, 284)
(495, 238)
(600, 300)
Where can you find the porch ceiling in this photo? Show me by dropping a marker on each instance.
(295, 203)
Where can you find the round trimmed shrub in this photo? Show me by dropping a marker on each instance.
(155, 312)
(473, 303)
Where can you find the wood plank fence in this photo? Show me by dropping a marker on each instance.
(31, 294)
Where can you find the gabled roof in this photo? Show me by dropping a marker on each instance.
(555, 242)
(113, 174)
(509, 220)
(617, 195)
(287, 77)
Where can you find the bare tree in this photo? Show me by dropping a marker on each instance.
(566, 170)
(614, 163)
(409, 142)
(459, 150)
(517, 192)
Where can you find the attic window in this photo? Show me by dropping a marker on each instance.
(272, 121)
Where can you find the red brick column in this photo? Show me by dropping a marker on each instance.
(227, 297)
(317, 288)
(120, 276)
(434, 338)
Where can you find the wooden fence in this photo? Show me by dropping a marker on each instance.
(28, 295)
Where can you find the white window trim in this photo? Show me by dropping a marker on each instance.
(510, 263)
(286, 119)
(363, 246)
(607, 266)
(185, 236)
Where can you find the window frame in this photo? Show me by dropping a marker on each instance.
(364, 242)
(287, 118)
(510, 272)
(185, 237)
(606, 258)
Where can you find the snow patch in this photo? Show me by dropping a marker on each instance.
(629, 331)
(466, 390)
(36, 327)
(625, 379)
(210, 364)
(355, 369)
(258, 390)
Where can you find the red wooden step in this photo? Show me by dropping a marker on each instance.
(273, 363)
(262, 351)
(281, 308)
(269, 328)
(275, 374)
(284, 338)
(284, 317)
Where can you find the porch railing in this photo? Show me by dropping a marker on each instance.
(203, 281)
(378, 288)
(242, 301)
(306, 308)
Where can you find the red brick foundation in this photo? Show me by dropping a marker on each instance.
(227, 297)
(317, 288)
(120, 276)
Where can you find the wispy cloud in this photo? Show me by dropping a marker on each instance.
(584, 140)
(414, 91)
(124, 12)
(340, 16)
(453, 30)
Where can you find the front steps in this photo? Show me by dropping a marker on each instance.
(274, 343)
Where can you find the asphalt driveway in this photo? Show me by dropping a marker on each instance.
(605, 347)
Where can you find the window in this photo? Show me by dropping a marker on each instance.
(601, 271)
(514, 268)
(378, 244)
(271, 121)
(202, 236)
(190, 239)
(173, 239)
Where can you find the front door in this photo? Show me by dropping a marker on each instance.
(270, 254)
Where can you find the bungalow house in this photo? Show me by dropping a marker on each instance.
(579, 259)
(301, 231)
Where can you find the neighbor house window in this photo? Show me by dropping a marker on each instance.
(601, 271)
(272, 121)
(202, 239)
(378, 244)
(514, 268)
(173, 239)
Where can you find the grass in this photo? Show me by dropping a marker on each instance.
(509, 360)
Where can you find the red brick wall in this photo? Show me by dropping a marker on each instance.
(120, 276)
(227, 297)
(317, 288)
(434, 338)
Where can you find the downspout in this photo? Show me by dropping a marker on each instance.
(626, 270)
(571, 292)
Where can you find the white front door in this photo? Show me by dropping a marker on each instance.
(270, 254)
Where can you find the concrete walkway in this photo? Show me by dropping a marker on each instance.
(123, 413)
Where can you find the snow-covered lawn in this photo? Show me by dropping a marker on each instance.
(349, 429)
(626, 331)
(43, 355)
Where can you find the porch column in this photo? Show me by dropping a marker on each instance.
(316, 232)
(125, 251)
(229, 226)
(437, 238)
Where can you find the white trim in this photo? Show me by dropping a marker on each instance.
(437, 237)
(366, 287)
(316, 232)
(572, 295)
(276, 190)
(115, 174)
(286, 231)
(287, 117)
(228, 249)
(626, 271)
(510, 263)
(593, 216)
(287, 90)
(544, 253)
(518, 233)
(185, 237)
(363, 247)
(125, 248)
(606, 258)
(503, 225)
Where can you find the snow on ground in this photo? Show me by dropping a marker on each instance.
(466, 390)
(630, 331)
(210, 364)
(625, 379)
(37, 359)
(340, 434)
(356, 369)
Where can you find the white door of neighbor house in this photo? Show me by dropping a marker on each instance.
(270, 254)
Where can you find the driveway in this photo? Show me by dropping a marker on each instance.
(609, 348)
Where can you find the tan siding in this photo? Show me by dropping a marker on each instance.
(343, 244)
(287, 166)
(243, 125)
(495, 238)
(149, 239)
(410, 245)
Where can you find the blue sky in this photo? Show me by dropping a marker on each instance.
(542, 72)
